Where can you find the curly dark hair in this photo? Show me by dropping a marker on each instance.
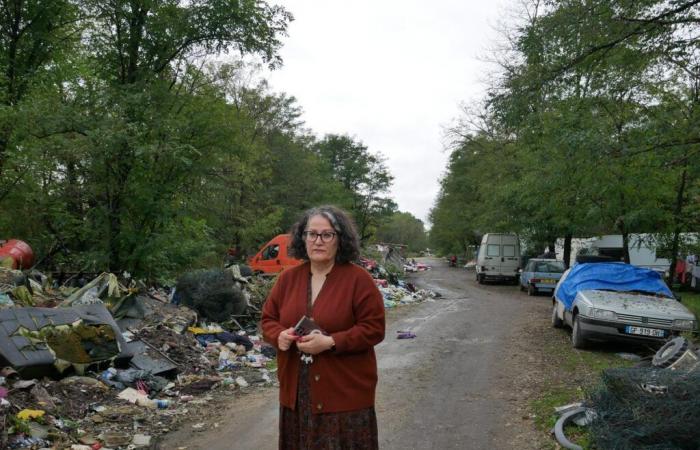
(348, 240)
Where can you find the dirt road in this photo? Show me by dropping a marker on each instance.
(455, 386)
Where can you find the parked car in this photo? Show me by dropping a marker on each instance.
(273, 256)
(498, 258)
(617, 301)
(541, 275)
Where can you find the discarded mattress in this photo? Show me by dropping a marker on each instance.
(47, 341)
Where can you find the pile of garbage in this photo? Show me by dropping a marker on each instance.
(651, 406)
(396, 291)
(413, 266)
(115, 364)
(404, 294)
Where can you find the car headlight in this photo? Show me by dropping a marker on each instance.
(684, 324)
(603, 314)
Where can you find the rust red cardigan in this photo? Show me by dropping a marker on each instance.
(350, 308)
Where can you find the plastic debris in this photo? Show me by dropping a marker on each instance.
(27, 414)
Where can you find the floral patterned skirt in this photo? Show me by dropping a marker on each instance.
(300, 429)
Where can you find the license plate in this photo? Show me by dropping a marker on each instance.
(644, 331)
(548, 281)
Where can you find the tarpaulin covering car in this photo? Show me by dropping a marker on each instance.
(609, 276)
(616, 301)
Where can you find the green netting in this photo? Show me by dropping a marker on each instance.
(646, 408)
(212, 293)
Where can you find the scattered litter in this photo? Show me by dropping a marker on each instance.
(629, 356)
(27, 414)
(141, 440)
(405, 335)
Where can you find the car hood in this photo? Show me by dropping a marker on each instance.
(637, 304)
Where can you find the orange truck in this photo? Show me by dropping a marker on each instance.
(273, 256)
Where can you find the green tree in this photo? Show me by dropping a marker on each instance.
(364, 177)
(403, 228)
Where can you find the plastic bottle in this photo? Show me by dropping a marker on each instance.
(108, 374)
(153, 403)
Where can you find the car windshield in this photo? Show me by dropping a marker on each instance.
(550, 267)
(638, 292)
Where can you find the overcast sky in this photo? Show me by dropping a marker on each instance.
(392, 74)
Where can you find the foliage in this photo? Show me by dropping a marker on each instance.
(403, 228)
(363, 175)
(124, 147)
(590, 128)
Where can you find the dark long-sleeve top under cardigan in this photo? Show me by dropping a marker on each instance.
(350, 308)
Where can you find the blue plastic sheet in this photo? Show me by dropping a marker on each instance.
(609, 276)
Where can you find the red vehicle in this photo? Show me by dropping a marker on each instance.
(16, 254)
(273, 256)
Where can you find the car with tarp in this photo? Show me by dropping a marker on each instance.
(617, 301)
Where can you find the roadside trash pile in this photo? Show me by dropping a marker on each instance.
(405, 293)
(115, 364)
(394, 290)
(643, 407)
(413, 266)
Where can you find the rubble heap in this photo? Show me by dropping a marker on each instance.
(114, 364)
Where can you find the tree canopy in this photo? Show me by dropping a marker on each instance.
(589, 128)
(124, 146)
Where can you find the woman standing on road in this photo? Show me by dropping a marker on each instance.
(328, 378)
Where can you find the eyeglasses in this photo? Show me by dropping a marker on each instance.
(311, 236)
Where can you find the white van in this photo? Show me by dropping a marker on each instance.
(498, 258)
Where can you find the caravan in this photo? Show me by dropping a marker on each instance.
(498, 258)
(642, 251)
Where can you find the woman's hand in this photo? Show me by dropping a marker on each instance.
(315, 343)
(285, 339)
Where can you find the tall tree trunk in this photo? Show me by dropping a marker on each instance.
(677, 226)
(567, 249)
(626, 246)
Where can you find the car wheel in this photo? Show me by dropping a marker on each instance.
(480, 278)
(577, 339)
(670, 352)
(531, 290)
(556, 321)
(522, 288)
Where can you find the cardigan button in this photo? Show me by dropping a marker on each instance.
(319, 406)
(317, 377)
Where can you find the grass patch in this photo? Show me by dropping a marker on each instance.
(545, 419)
(575, 372)
(691, 300)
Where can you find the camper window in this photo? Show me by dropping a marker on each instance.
(493, 250)
(509, 250)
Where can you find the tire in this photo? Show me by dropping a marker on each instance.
(556, 321)
(480, 278)
(577, 340)
(670, 352)
(522, 288)
(531, 290)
